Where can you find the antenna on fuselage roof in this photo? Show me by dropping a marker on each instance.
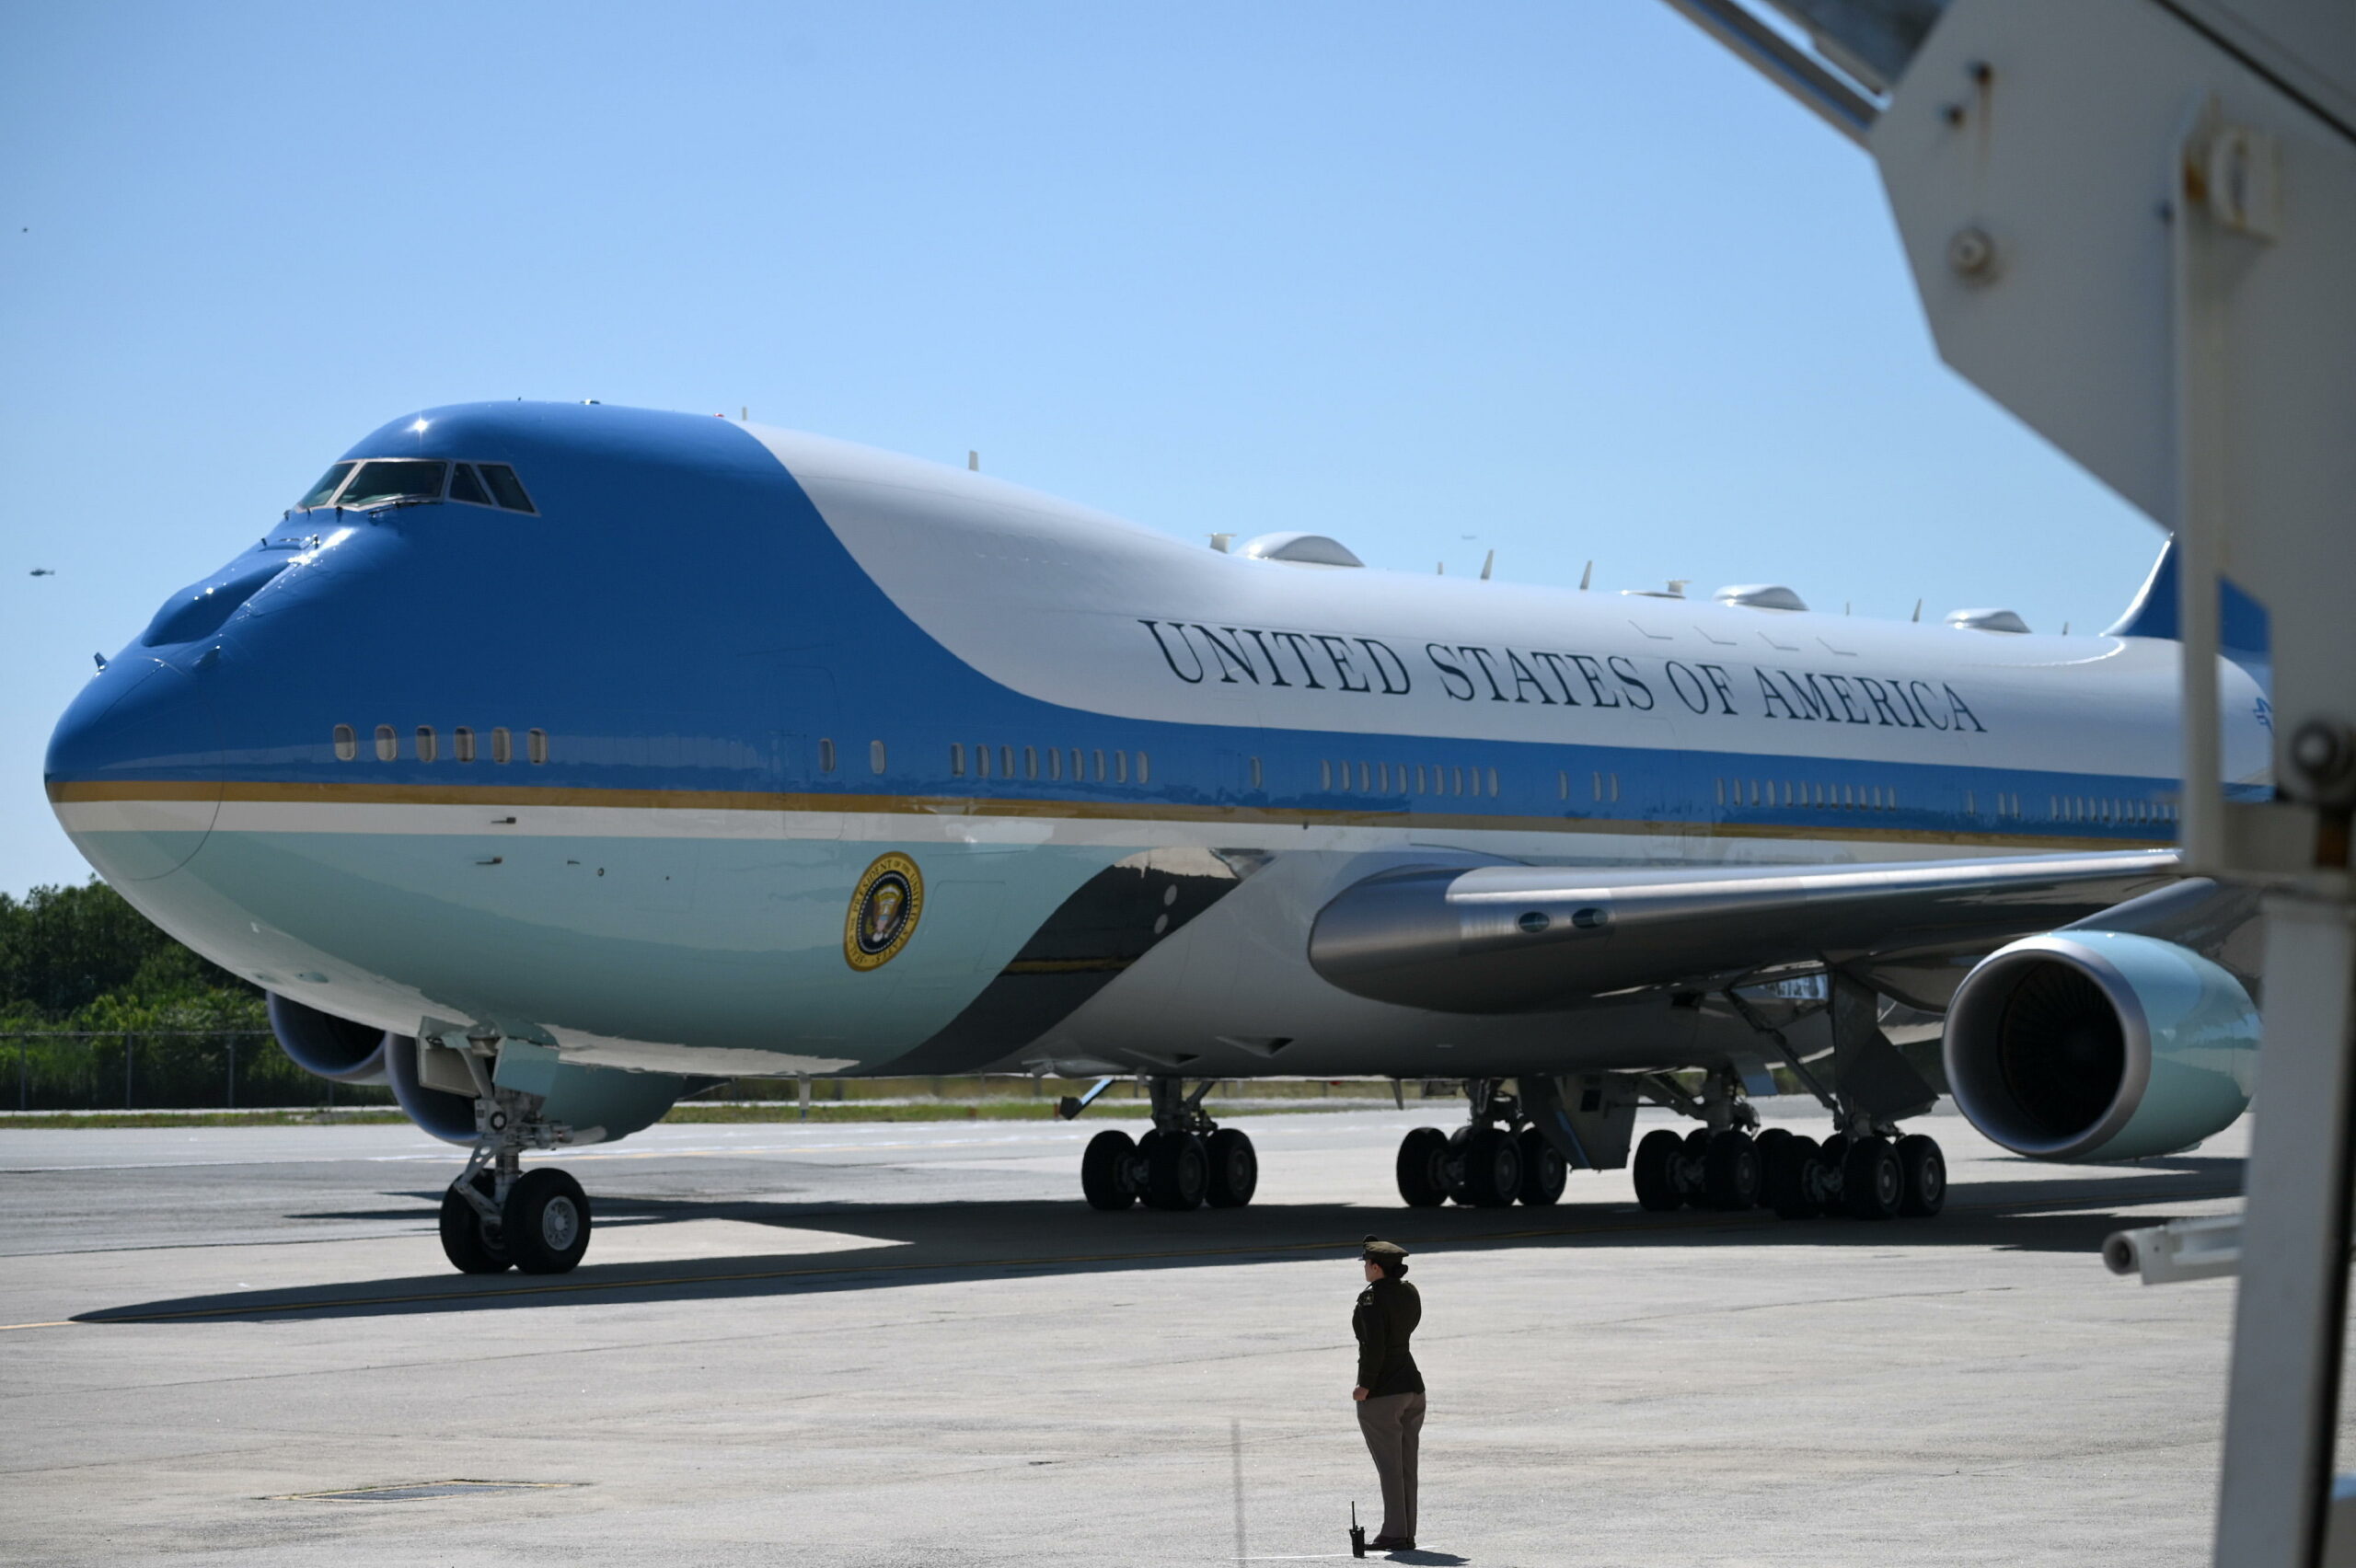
(1441, 569)
(972, 461)
(1918, 610)
(1587, 577)
(1489, 565)
(744, 414)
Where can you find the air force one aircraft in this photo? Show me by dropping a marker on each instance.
(554, 761)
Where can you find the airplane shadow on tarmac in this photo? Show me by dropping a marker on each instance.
(910, 1244)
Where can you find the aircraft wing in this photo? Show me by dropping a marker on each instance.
(1525, 939)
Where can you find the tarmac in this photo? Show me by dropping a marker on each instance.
(911, 1343)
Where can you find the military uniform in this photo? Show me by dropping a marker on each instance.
(1392, 1415)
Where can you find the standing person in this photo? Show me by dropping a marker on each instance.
(1389, 1392)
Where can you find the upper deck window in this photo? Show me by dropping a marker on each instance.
(317, 494)
(383, 480)
(505, 488)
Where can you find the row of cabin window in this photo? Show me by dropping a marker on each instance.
(2007, 804)
(1816, 796)
(1375, 778)
(2086, 808)
(1601, 787)
(429, 745)
(1001, 762)
(876, 756)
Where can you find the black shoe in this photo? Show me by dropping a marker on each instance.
(1393, 1543)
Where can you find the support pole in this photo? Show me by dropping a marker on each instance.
(2283, 1400)
(803, 1079)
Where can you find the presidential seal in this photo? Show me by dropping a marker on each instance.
(883, 911)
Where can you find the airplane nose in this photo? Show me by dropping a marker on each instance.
(135, 769)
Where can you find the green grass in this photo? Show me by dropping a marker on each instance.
(274, 1118)
(768, 1111)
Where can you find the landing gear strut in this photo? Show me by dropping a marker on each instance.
(1185, 1161)
(1498, 1159)
(497, 1215)
(1866, 1169)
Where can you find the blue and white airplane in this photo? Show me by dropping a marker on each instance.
(553, 761)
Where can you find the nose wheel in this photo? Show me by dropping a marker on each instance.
(497, 1215)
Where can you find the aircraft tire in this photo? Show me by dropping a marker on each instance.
(1922, 1171)
(1234, 1168)
(1730, 1171)
(1871, 1185)
(464, 1241)
(545, 1222)
(1544, 1169)
(1422, 1153)
(1492, 1168)
(1656, 1190)
(1102, 1180)
(1783, 1176)
(1177, 1173)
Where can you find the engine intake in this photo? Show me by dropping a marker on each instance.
(332, 1047)
(2096, 1045)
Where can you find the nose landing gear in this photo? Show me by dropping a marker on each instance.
(497, 1215)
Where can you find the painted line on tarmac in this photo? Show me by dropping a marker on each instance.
(584, 1287)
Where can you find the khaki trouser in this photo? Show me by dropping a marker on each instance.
(1391, 1425)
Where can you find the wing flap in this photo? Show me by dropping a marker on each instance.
(1519, 938)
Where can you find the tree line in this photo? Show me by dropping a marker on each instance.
(100, 1008)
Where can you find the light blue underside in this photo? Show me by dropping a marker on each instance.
(563, 931)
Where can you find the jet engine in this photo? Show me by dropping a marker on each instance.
(2094, 1045)
(346, 1052)
(321, 1043)
(437, 1108)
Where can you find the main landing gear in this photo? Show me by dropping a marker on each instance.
(1495, 1161)
(1865, 1170)
(498, 1216)
(1185, 1161)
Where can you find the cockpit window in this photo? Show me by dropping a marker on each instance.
(507, 488)
(317, 494)
(385, 480)
(465, 487)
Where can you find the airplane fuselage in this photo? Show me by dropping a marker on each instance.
(745, 751)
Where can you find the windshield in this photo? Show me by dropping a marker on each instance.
(387, 480)
(317, 494)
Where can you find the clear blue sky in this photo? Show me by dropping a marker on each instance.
(1562, 278)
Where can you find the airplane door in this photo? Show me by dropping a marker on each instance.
(809, 755)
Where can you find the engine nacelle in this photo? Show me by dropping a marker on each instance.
(2094, 1045)
(332, 1047)
(436, 1106)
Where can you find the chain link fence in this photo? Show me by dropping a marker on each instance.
(225, 1070)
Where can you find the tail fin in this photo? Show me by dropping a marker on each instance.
(2154, 611)
(2242, 622)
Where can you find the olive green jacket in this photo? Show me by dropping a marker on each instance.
(1386, 1315)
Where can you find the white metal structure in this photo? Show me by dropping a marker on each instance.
(2133, 222)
